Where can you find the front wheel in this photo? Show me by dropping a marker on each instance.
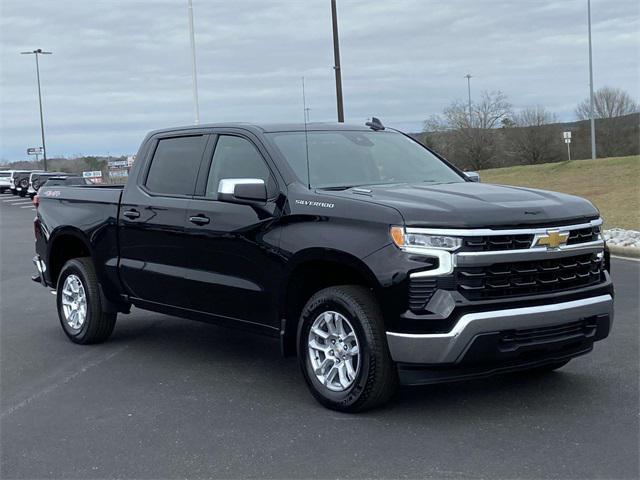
(342, 350)
(79, 304)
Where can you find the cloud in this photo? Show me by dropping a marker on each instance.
(121, 68)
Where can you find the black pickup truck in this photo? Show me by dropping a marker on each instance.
(369, 256)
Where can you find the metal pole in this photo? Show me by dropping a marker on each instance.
(593, 122)
(193, 63)
(336, 58)
(569, 150)
(44, 148)
(468, 77)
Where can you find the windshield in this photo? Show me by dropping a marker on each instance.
(356, 158)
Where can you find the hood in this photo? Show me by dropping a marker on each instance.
(477, 205)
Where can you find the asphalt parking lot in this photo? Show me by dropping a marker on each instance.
(169, 398)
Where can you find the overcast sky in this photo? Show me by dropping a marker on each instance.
(122, 67)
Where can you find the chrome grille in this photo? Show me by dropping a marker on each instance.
(583, 235)
(497, 242)
(529, 277)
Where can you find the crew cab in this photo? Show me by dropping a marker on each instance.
(369, 256)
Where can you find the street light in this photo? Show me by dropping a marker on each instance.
(37, 52)
(194, 74)
(336, 59)
(468, 77)
(593, 122)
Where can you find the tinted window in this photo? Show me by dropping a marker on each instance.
(175, 164)
(5, 174)
(236, 157)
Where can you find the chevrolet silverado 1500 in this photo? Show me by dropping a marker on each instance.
(369, 256)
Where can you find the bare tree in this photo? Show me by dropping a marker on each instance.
(610, 104)
(532, 138)
(470, 140)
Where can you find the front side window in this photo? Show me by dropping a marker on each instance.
(236, 157)
(175, 164)
(351, 158)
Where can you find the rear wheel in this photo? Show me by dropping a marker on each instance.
(79, 304)
(343, 352)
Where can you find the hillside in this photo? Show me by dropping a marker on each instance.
(612, 184)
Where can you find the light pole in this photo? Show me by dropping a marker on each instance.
(336, 59)
(593, 122)
(44, 147)
(194, 75)
(468, 77)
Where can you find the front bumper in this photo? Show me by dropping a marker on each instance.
(451, 347)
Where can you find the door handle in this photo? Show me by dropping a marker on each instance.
(199, 220)
(131, 214)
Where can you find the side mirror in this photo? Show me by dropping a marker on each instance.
(245, 191)
(473, 176)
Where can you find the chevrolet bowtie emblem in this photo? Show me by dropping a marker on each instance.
(553, 239)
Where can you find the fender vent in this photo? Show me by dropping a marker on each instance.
(420, 292)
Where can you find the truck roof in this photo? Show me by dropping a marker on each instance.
(268, 127)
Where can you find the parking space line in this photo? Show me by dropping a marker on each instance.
(13, 200)
(27, 206)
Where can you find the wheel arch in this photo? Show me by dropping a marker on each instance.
(310, 271)
(66, 244)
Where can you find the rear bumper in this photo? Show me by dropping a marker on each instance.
(452, 347)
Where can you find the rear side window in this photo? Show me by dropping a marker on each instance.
(175, 165)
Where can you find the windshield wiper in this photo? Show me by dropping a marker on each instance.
(340, 187)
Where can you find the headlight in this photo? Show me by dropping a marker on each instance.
(412, 241)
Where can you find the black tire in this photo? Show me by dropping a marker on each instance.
(98, 325)
(376, 379)
(550, 367)
(22, 193)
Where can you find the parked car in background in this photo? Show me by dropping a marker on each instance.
(5, 180)
(68, 180)
(21, 182)
(13, 179)
(37, 179)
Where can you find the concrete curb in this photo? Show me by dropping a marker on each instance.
(630, 252)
